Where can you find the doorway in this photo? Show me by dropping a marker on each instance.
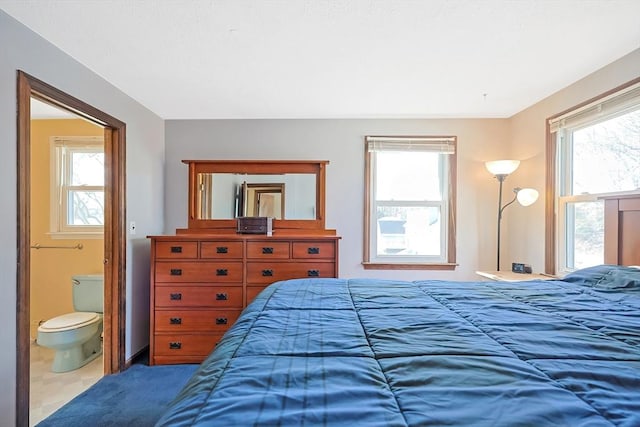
(114, 230)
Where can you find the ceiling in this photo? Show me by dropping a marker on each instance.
(42, 110)
(211, 59)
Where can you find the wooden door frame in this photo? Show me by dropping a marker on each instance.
(114, 230)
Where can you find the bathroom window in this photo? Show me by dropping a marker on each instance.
(77, 186)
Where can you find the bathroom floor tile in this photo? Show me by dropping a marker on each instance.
(49, 391)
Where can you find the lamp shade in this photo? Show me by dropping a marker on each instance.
(527, 196)
(502, 167)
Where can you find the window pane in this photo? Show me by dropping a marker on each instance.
(85, 208)
(407, 231)
(407, 176)
(87, 168)
(585, 228)
(612, 148)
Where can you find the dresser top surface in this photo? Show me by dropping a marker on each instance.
(248, 237)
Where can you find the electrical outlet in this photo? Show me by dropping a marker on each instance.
(132, 228)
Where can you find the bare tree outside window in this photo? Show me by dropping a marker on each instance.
(77, 199)
(86, 207)
(604, 158)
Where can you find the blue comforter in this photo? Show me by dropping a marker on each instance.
(388, 353)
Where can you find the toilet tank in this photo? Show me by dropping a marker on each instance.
(88, 292)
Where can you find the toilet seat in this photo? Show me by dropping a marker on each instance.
(69, 321)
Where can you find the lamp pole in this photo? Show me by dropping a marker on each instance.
(500, 170)
(500, 178)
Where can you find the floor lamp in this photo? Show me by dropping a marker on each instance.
(525, 196)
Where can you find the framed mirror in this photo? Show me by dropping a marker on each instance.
(230, 195)
(291, 192)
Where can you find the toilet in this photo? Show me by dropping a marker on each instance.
(77, 336)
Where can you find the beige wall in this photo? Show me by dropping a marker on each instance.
(51, 269)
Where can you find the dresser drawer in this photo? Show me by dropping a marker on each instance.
(185, 344)
(180, 321)
(198, 296)
(313, 250)
(269, 272)
(268, 250)
(177, 250)
(220, 249)
(204, 271)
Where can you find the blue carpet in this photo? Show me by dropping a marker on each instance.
(136, 397)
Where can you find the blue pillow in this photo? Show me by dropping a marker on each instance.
(607, 277)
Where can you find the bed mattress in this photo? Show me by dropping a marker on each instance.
(392, 353)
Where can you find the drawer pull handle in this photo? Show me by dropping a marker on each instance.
(175, 345)
(267, 273)
(221, 321)
(222, 272)
(176, 249)
(176, 272)
(267, 250)
(175, 321)
(222, 296)
(222, 250)
(313, 251)
(313, 273)
(176, 296)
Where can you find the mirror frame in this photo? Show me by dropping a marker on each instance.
(256, 167)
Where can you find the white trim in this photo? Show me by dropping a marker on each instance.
(449, 139)
(77, 141)
(442, 145)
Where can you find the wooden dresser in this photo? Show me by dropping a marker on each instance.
(200, 284)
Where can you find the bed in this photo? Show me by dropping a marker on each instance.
(394, 353)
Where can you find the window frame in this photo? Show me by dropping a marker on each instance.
(556, 177)
(61, 149)
(448, 233)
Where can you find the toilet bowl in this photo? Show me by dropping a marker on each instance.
(76, 337)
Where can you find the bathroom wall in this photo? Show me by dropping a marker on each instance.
(51, 269)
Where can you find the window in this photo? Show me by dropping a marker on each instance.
(77, 186)
(410, 209)
(597, 148)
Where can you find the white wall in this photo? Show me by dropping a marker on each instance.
(526, 227)
(342, 143)
(22, 49)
